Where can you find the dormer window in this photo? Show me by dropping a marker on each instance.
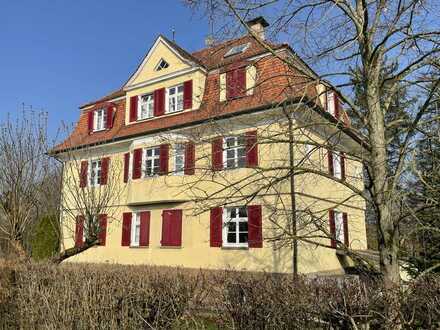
(145, 106)
(174, 99)
(162, 65)
(100, 119)
(237, 50)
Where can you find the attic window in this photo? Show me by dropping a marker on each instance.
(162, 65)
(237, 50)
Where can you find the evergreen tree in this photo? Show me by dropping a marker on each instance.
(424, 248)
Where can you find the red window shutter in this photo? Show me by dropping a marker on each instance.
(330, 162)
(159, 102)
(102, 229)
(331, 218)
(90, 116)
(109, 123)
(342, 166)
(126, 229)
(137, 163)
(255, 226)
(241, 81)
(83, 174)
(337, 106)
(79, 230)
(345, 220)
(190, 158)
(235, 83)
(126, 166)
(251, 149)
(104, 170)
(217, 154)
(230, 85)
(346, 119)
(133, 108)
(163, 158)
(171, 228)
(187, 94)
(216, 226)
(144, 235)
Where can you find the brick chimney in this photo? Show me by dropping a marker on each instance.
(258, 25)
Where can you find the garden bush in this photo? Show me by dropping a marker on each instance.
(90, 296)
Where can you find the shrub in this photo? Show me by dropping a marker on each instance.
(89, 296)
(45, 240)
(101, 297)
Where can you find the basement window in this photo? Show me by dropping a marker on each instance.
(237, 50)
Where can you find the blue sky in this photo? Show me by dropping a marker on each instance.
(56, 55)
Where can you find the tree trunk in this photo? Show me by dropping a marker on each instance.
(73, 251)
(382, 195)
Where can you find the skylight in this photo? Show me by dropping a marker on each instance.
(162, 65)
(236, 50)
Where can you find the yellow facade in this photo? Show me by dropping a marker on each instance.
(313, 192)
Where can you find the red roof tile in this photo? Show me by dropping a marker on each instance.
(277, 82)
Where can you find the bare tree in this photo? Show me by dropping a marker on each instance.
(24, 166)
(337, 36)
(91, 192)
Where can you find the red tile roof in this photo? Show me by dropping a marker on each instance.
(276, 83)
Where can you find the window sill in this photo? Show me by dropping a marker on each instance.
(138, 247)
(99, 130)
(170, 247)
(167, 114)
(235, 247)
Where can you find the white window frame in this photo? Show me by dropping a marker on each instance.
(153, 157)
(235, 148)
(159, 65)
(337, 166)
(237, 50)
(339, 226)
(99, 120)
(96, 179)
(86, 227)
(331, 103)
(175, 96)
(135, 233)
(237, 220)
(179, 153)
(150, 106)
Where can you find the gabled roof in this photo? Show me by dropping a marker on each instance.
(180, 52)
(208, 58)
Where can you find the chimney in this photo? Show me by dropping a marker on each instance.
(257, 25)
(209, 41)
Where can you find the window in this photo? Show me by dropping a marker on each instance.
(237, 50)
(179, 159)
(145, 106)
(234, 151)
(151, 161)
(337, 168)
(175, 99)
(339, 226)
(95, 173)
(162, 65)
(331, 103)
(100, 119)
(135, 229)
(235, 227)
